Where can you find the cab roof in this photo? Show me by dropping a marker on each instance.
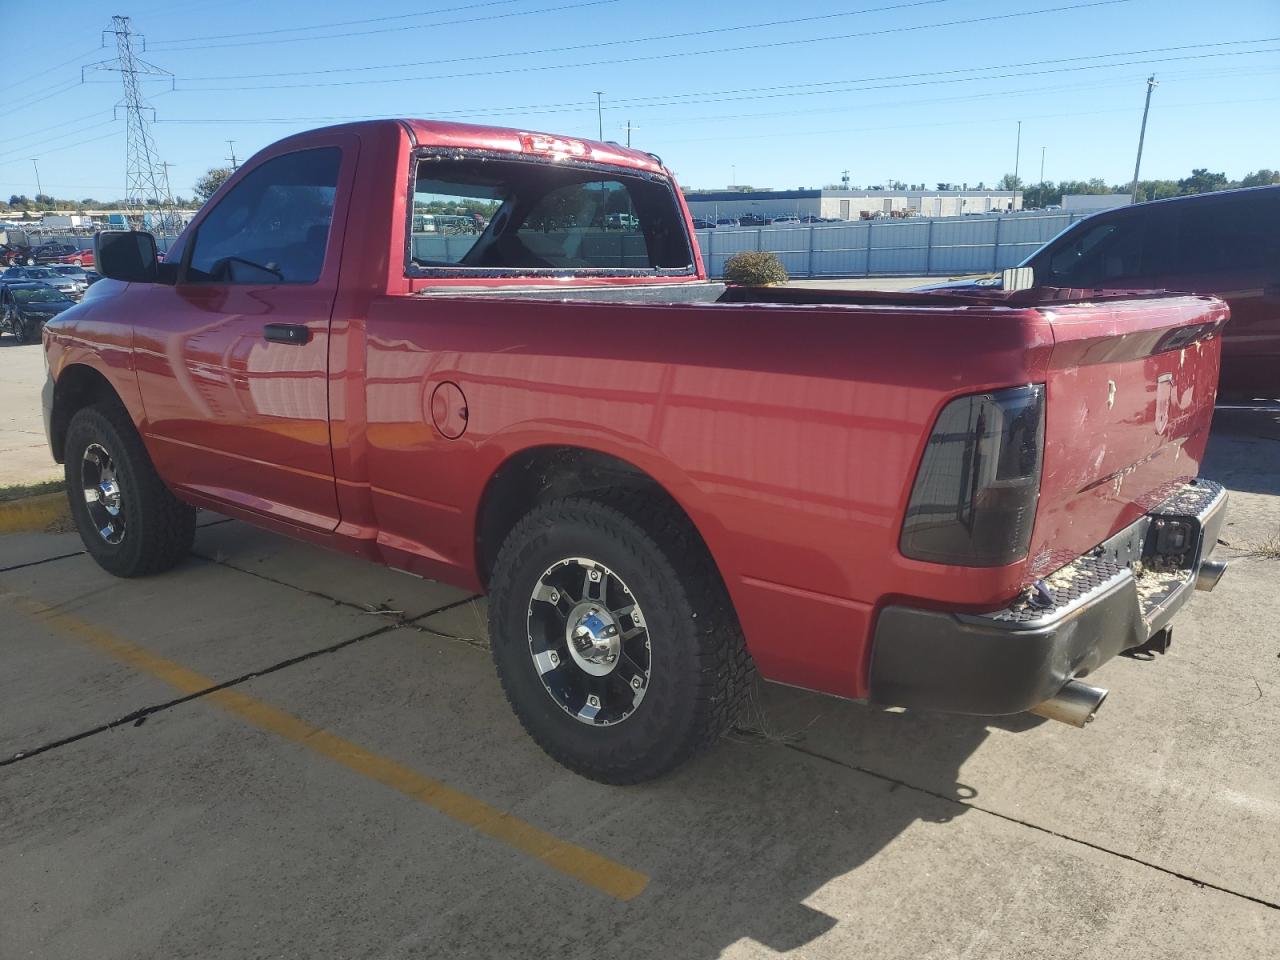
(469, 136)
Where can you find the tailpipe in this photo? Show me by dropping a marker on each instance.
(1075, 703)
(1209, 574)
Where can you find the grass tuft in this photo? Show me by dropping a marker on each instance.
(17, 491)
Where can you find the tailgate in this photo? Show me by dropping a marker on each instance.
(1129, 400)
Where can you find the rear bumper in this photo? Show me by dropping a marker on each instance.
(1115, 598)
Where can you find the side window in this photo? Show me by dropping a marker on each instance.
(273, 226)
(585, 225)
(448, 218)
(1229, 234)
(1098, 255)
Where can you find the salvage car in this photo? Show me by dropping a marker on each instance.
(26, 306)
(664, 485)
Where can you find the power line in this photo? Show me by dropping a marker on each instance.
(422, 26)
(10, 87)
(580, 46)
(968, 121)
(826, 87)
(337, 23)
(884, 31)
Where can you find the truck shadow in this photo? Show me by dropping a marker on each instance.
(785, 827)
(1244, 449)
(773, 837)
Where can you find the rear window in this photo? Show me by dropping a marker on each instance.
(487, 215)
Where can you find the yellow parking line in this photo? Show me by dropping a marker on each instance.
(590, 868)
(32, 513)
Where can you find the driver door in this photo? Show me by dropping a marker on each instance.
(233, 359)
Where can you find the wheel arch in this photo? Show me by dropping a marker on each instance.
(78, 385)
(536, 474)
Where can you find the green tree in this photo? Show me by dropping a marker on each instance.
(1009, 182)
(208, 185)
(1260, 178)
(1202, 181)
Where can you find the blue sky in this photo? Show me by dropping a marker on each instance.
(886, 89)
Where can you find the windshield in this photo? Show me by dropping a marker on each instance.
(37, 295)
(68, 271)
(40, 273)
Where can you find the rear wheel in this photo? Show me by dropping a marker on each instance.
(614, 637)
(128, 520)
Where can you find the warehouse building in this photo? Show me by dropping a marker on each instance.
(849, 204)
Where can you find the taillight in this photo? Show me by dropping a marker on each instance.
(974, 500)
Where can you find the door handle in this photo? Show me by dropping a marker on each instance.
(296, 333)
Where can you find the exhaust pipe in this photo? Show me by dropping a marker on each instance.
(1209, 574)
(1075, 703)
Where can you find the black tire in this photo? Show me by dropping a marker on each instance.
(699, 669)
(156, 528)
(24, 333)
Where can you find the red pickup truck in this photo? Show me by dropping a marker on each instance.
(491, 357)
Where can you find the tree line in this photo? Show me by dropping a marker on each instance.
(1201, 181)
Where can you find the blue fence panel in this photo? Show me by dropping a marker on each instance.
(919, 246)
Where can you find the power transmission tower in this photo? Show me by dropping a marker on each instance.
(146, 179)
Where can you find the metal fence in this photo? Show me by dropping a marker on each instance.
(943, 246)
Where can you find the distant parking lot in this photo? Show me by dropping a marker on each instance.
(276, 751)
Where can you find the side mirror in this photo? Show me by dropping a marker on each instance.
(128, 255)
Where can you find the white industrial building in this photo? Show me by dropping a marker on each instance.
(849, 204)
(1094, 202)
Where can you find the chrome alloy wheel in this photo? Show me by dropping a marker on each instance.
(102, 493)
(589, 641)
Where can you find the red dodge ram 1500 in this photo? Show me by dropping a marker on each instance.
(492, 357)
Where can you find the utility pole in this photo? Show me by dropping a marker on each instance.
(231, 145)
(1142, 135)
(1042, 164)
(629, 129)
(1017, 156)
(599, 113)
(39, 189)
(146, 181)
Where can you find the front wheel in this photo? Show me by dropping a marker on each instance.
(128, 520)
(614, 637)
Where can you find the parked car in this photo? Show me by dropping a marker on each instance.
(70, 286)
(25, 307)
(727, 222)
(79, 274)
(12, 254)
(953, 503)
(753, 220)
(1226, 244)
(700, 224)
(621, 221)
(786, 220)
(79, 258)
(52, 252)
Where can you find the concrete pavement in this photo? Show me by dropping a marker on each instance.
(315, 760)
(24, 452)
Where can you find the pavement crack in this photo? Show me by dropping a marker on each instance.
(897, 783)
(138, 717)
(36, 563)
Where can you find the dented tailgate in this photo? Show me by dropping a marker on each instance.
(1130, 394)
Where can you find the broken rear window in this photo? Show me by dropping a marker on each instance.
(494, 215)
